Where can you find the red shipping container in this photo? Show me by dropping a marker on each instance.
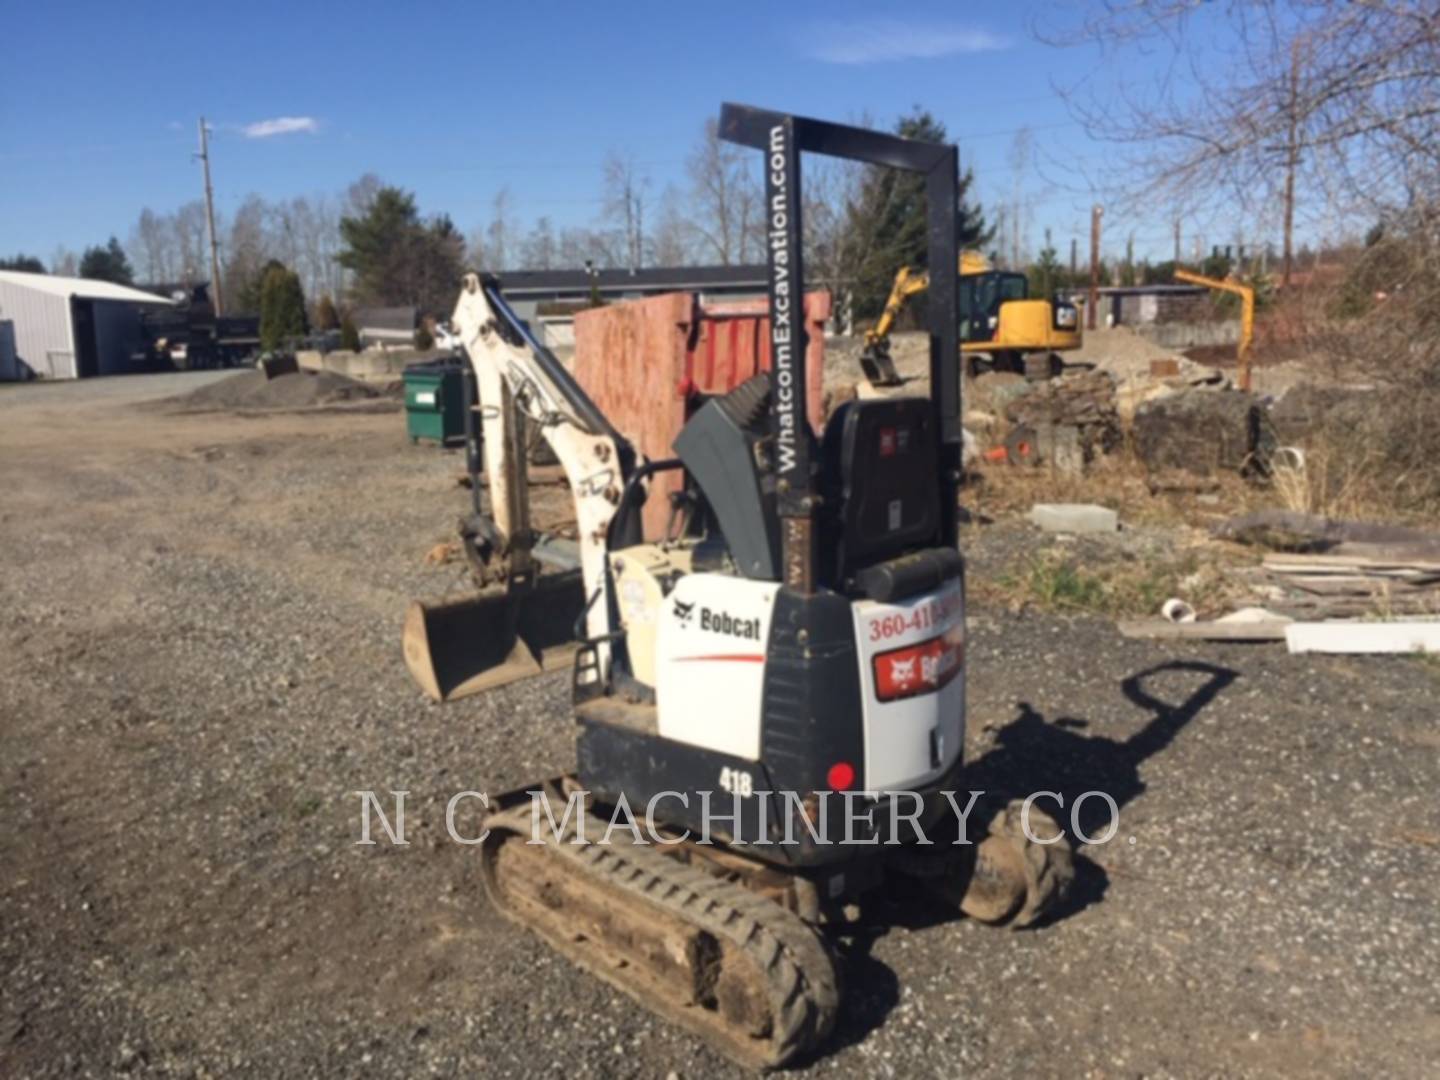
(645, 363)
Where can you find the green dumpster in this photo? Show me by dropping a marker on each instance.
(434, 401)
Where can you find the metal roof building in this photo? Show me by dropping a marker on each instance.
(70, 328)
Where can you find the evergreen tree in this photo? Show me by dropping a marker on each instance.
(107, 263)
(326, 317)
(250, 297)
(399, 259)
(1046, 274)
(282, 308)
(349, 336)
(887, 224)
(28, 263)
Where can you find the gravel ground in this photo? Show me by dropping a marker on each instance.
(200, 617)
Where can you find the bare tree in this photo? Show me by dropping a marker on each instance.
(360, 194)
(493, 246)
(577, 246)
(832, 187)
(538, 251)
(313, 240)
(64, 262)
(726, 199)
(1021, 152)
(152, 246)
(188, 225)
(625, 205)
(672, 239)
(1297, 104)
(247, 249)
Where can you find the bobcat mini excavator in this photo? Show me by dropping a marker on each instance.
(793, 648)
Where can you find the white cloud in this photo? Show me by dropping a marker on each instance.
(280, 125)
(878, 41)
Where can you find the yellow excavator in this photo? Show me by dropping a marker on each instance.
(1001, 326)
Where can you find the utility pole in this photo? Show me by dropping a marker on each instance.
(1093, 304)
(1074, 259)
(1177, 241)
(1292, 158)
(204, 157)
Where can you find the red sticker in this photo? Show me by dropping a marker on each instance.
(918, 669)
(887, 441)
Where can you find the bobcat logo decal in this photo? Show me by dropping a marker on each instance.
(902, 672)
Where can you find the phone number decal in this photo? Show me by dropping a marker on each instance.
(929, 616)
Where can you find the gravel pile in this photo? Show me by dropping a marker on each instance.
(251, 390)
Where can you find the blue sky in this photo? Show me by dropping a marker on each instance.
(99, 101)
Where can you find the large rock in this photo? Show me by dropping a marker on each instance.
(1305, 410)
(1199, 431)
(1083, 404)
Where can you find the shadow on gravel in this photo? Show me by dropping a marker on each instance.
(872, 990)
(1032, 754)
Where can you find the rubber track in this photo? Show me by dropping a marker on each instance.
(800, 972)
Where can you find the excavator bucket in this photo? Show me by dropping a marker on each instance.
(877, 366)
(455, 648)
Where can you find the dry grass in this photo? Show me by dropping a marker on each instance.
(1118, 481)
(1059, 580)
(1380, 465)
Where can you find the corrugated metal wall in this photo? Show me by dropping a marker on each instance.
(42, 330)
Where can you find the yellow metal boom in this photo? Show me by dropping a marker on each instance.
(1247, 314)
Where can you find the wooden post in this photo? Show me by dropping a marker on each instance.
(204, 156)
(1092, 305)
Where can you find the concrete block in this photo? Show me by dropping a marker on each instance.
(1074, 518)
(1060, 447)
(310, 360)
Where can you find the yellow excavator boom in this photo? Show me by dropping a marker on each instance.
(1247, 314)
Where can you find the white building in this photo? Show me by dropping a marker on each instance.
(70, 328)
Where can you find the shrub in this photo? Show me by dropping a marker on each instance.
(349, 336)
(282, 308)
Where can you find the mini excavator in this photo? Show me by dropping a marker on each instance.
(793, 645)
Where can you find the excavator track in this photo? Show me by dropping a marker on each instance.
(738, 970)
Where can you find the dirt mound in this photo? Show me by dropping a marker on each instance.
(251, 390)
(909, 350)
(1120, 351)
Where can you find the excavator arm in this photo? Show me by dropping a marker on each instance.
(459, 647)
(518, 377)
(907, 284)
(875, 359)
(1247, 314)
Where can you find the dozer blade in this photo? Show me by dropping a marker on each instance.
(455, 648)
